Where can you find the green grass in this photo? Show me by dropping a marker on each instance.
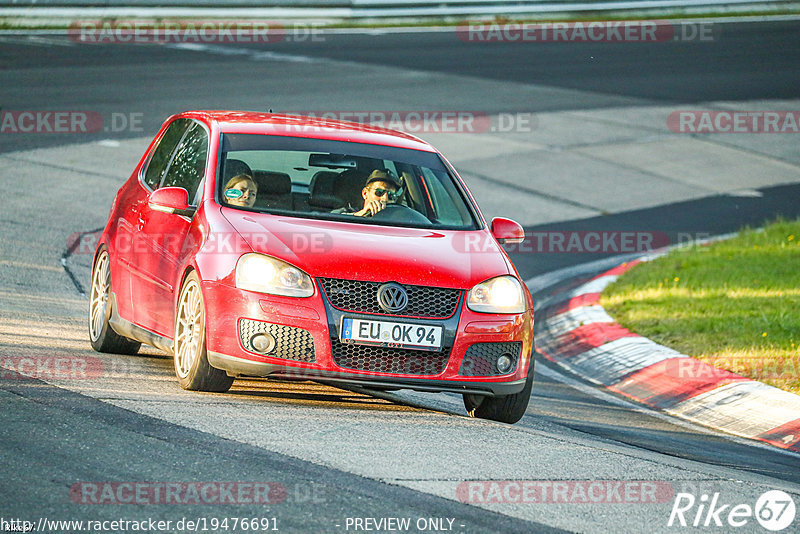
(734, 304)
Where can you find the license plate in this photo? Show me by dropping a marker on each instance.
(389, 334)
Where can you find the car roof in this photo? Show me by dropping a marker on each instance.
(253, 122)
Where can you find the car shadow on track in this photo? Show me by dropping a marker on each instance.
(312, 394)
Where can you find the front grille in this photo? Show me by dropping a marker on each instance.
(480, 359)
(291, 343)
(388, 360)
(362, 297)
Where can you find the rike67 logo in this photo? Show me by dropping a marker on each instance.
(774, 510)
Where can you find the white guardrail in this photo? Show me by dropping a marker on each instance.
(366, 8)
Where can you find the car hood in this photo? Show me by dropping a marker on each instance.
(333, 249)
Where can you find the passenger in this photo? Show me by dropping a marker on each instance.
(241, 191)
(380, 188)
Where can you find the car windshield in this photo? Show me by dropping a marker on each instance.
(336, 180)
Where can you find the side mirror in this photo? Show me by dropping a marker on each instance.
(171, 200)
(507, 231)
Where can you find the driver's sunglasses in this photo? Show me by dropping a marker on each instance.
(379, 192)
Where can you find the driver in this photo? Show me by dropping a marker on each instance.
(381, 187)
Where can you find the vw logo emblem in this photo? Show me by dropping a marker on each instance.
(392, 297)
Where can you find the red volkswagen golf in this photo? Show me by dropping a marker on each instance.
(262, 245)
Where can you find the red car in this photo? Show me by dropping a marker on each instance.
(264, 245)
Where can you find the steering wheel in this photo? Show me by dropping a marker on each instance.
(398, 213)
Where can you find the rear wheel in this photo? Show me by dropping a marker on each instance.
(101, 335)
(191, 360)
(506, 408)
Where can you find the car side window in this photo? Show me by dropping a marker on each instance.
(188, 165)
(162, 153)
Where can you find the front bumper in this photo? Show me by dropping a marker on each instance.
(228, 308)
(241, 367)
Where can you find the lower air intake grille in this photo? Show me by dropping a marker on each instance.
(387, 360)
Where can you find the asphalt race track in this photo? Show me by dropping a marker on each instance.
(590, 151)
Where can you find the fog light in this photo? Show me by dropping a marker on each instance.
(504, 363)
(263, 343)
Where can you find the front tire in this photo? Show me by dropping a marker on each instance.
(101, 335)
(191, 359)
(506, 408)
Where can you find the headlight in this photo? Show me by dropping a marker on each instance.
(497, 295)
(256, 272)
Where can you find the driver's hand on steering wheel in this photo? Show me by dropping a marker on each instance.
(373, 207)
